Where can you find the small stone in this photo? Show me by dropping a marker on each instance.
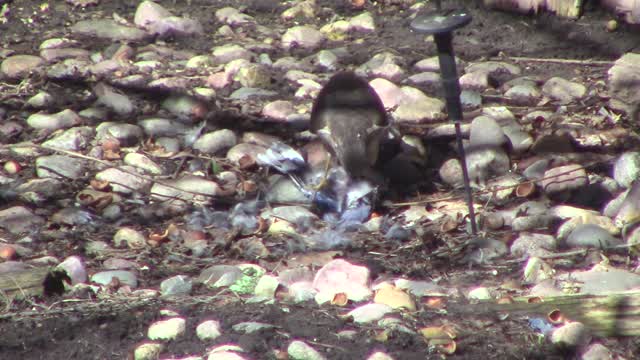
(480, 293)
(563, 90)
(278, 110)
(64, 119)
(126, 134)
(208, 330)
(597, 352)
(494, 68)
(124, 180)
(390, 94)
(589, 235)
(162, 127)
(299, 350)
(245, 93)
(363, 23)
(233, 17)
(132, 238)
(304, 36)
(41, 100)
(124, 277)
(564, 178)
(254, 76)
(572, 335)
(532, 244)
(215, 142)
(486, 132)
(74, 139)
(16, 67)
(108, 29)
(176, 285)
(169, 329)
(627, 169)
(147, 351)
(143, 162)
(60, 167)
(226, 53)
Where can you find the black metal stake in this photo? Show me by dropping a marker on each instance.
(441, 25)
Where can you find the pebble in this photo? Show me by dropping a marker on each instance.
(304, 36)
(494, 68)
(563, 90)
(597, 352)
(71, 216)
(74, 139)
(279, 110)
(176, 285)
(162, 127)
(219, 276)
(299, 350)
(487, 163)
(246, 93)
(244, 154)
(629, 208)
(148, 351)
(282, 190)
(533, 244)
(427, 78)
(113, 99)
(362, 23)
(379, 355)
(187, 188)
(266, 287)
(571, 335)
(41, 100)
(130, 237)
(149, 12)
(169, 329)
(124, 180)
(564, 178)
(70, 69)
(470, 99)
(143, 162)
(53, 55)
(106, 277)
(63, 119)
(601, 280)
(109, 30)
(384, 65)
(37, 190)
(590, 235)
(208, 330)
(432, 64)
(418, 108)
(74, 268)
(126, 134)
(215, 142)
(477, 80)
(369, 313)
(18, 67)
(486, 132)
(233, 17)
(523, 95)
(327, 60)
(305, 9)
(627, 169)
(60, 167)
(390, 94)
